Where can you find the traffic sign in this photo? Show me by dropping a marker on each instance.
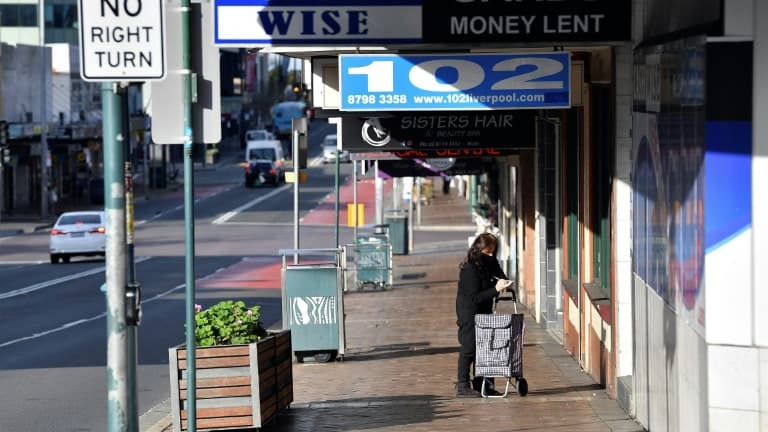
(121, 40)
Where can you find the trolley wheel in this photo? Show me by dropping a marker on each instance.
(299, 358)
(325, 356)
(522, 387)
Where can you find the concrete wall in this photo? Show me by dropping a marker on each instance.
(21, 82)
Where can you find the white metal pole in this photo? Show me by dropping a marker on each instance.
(43, 115)
(419, 184)
(354, 200)
(379, 184)
(295, 151)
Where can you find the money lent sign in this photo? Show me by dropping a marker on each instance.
(121, 40)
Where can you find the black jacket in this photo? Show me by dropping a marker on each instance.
(477, 288)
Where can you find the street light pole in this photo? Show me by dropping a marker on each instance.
(189, 218)
(43, 115)
(114, 208)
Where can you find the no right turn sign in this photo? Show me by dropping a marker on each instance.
(122, 40)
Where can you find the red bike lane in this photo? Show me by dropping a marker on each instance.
(263, 272)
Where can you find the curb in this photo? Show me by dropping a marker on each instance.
(157, 419)
(42, 227)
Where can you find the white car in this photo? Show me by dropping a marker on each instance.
(78, 233)
(330, 147)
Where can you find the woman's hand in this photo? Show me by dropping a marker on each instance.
(502, 284)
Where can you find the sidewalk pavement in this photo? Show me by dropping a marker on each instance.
(399, 372)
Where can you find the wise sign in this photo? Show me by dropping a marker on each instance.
(252, 23)
(121, 40)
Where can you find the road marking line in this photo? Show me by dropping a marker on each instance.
(41, 285)
(230, 214)
(181, 206)
(22, 262)
(54, 330)
(84, 320)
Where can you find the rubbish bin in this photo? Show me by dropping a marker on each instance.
(398, 230)
(381, 231)
(313, 307)
(373, 262)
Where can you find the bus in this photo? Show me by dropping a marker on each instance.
(282, 115)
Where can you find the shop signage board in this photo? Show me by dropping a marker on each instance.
(434, 154)
(254, 23)
(500, 21)
(445, 131)
(121, 40)
(454, 82)
(431, 167)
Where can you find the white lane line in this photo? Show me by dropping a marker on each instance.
(22, 262)
(46, 284)
(181, 206)
(84, 320)
(230, 214)
(54, 330)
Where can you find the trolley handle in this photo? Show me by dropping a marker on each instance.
(512, 297)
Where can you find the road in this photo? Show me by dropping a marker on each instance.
(53, 338)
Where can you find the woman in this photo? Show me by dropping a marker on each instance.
(480, 281)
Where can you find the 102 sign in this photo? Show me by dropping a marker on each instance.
(454, 82)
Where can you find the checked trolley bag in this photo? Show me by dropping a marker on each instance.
(499, 347)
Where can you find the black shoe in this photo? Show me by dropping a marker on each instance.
(490, 389)
(492, 392)
(463, 390)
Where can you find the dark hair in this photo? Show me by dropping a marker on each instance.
(475, 254)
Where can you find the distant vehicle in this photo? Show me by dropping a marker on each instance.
(78, 233)
(264, 163)
(330, 147)
(283, 114)
(268, 149)
(263, 171)
(258, 135)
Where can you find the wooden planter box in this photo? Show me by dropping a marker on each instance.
(238, 386)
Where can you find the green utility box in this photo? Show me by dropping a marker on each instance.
(398, 230)
(313, 308)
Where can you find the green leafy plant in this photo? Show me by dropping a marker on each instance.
(228, 323)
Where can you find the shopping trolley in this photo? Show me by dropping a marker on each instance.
(499, 347)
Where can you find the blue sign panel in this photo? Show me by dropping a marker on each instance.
(454, 82)
(252, 23)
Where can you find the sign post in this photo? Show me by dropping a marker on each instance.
(120, 42)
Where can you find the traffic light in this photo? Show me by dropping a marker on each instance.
(3, 133)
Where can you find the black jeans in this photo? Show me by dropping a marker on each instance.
(467, 356)
(466, 350)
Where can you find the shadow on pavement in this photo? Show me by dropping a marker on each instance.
(399, 353)
(354, 414)
(571, 389)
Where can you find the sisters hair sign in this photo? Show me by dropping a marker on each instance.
(505, 21)
(443, 131)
